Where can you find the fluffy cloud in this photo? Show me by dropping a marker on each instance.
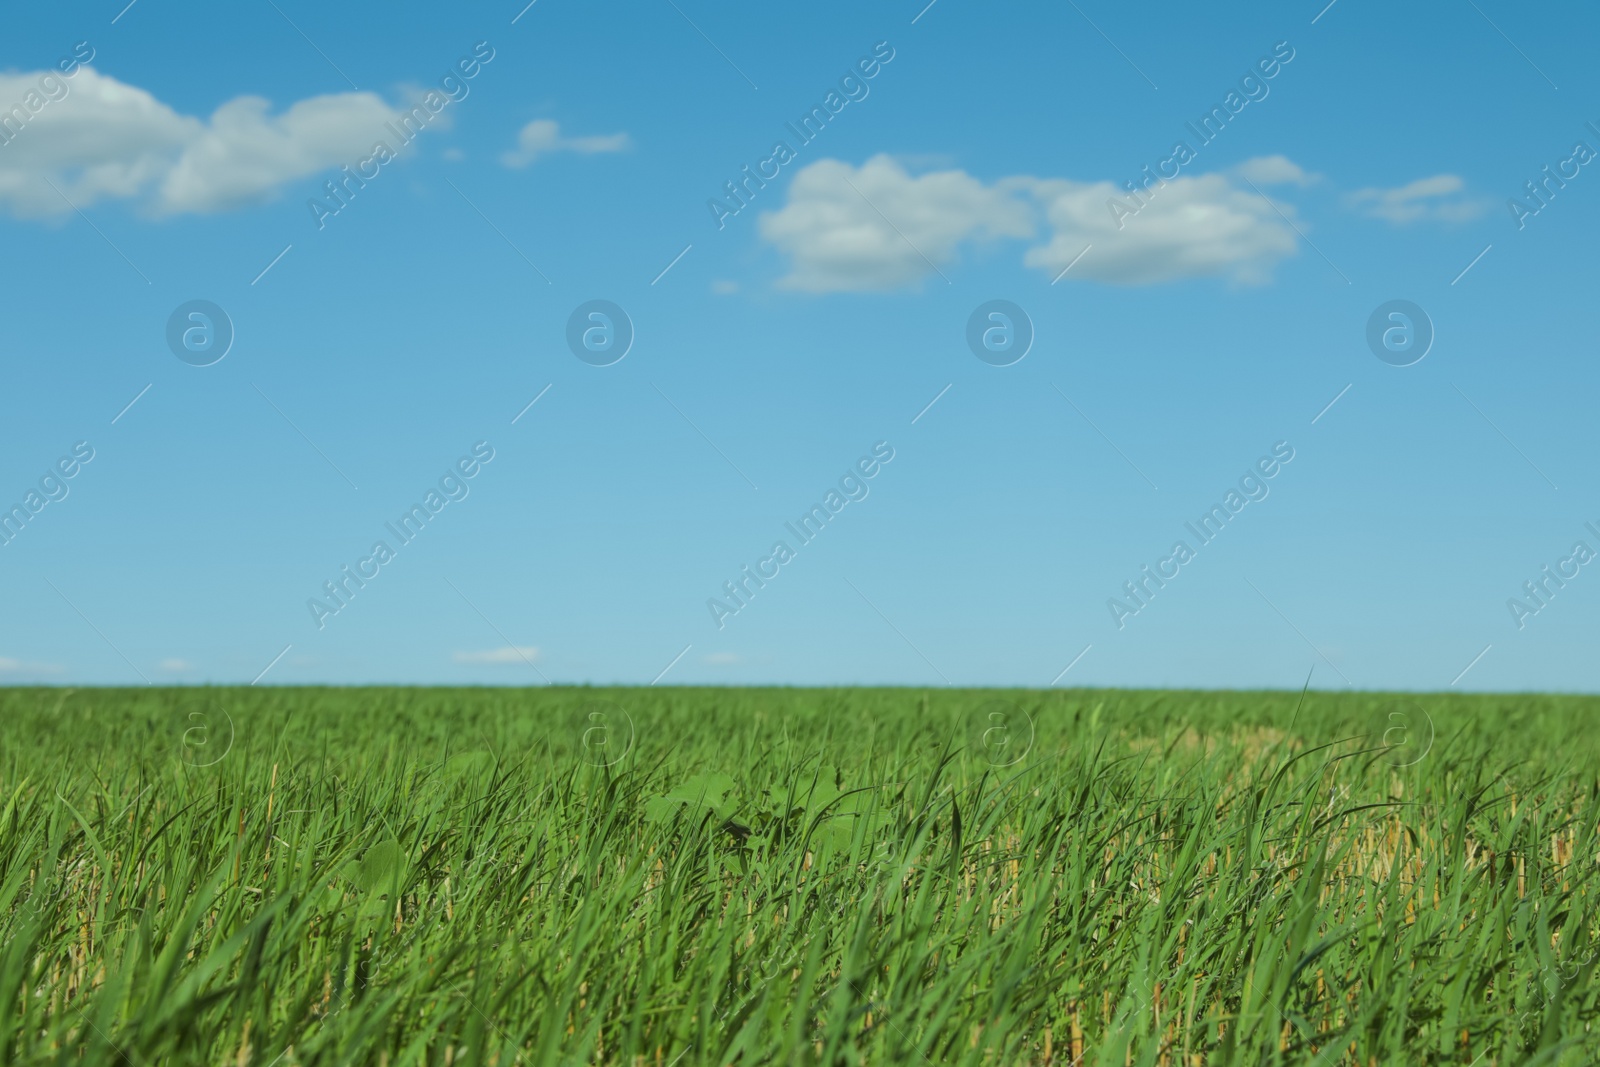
(510, 654)
(878, 227)
(1441, 198)
(244, 153)
(543, 137)
(1198, 227)
(96, 138)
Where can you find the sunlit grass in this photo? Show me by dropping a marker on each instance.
(575, 876)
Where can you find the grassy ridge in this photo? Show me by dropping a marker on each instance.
(711, 876)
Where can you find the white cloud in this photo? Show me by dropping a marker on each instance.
(176, 666)
(724, 287)
(877, 227)
(1189, 228)
(1274, 170)
(1441, 198)
(17, 666)
(101, 139)
(511, 654)
(543, 137)
(244, 154)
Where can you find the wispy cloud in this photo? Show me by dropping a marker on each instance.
(1441, 198)
(543, 137)
(17, 666)
(1275, 170)
(512, 654)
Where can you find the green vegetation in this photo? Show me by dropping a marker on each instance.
(400, 876)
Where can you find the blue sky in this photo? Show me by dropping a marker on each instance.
(1205, 323)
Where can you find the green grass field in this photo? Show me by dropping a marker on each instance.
(710, 876)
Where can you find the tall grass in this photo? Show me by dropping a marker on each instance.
(683, 877)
